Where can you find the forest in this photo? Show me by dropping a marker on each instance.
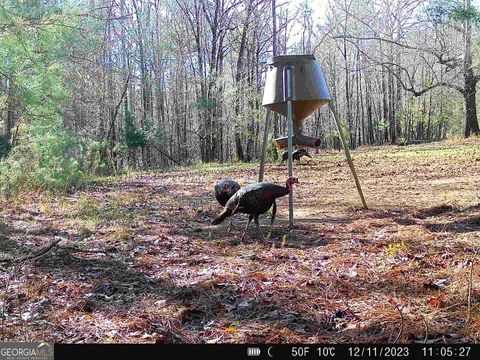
(100, 87)
(119, 117)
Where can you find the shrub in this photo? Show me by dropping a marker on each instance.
(43, 159)
(4, 146)
(272, 152)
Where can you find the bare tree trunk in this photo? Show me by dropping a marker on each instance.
(471, 124)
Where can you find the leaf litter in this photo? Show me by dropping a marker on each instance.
(138, 260)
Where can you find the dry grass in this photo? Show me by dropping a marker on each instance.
(342, 275)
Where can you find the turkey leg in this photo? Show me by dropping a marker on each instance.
(246, 227)
(258, 227)
(274, 212)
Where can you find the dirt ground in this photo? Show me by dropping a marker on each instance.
(135, 259)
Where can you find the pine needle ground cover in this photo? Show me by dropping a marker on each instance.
(135, 259)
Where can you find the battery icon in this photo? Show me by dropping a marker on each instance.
(253, 351)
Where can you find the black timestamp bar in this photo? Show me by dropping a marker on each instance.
(269, 351)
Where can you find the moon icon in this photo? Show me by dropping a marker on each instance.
(268, 351)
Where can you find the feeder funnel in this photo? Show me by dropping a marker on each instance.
(310, 91)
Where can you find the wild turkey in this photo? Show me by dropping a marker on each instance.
(255, 199)
(224, 189)
(296, 154)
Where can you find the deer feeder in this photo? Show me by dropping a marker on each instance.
(309, 91)
(295, 87)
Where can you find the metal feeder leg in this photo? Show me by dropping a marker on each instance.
(261, 172)
(347, 154)
(288, 83)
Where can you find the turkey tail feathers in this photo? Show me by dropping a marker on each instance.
(223, 215)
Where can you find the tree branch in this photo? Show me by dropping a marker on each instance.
(388, 65)
(165, 154)
(394, 42)
(38, 253)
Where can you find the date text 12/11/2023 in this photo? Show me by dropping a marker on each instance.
(415, 351)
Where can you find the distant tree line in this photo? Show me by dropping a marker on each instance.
(99, 86)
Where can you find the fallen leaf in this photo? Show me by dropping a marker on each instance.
(436, 303)
(259, 276)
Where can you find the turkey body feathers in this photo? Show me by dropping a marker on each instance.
(222, 216)
(254, 199)
(296, 154)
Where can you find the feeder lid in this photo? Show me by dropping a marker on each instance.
(289, 59)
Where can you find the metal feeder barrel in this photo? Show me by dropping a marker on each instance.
(310, 89)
